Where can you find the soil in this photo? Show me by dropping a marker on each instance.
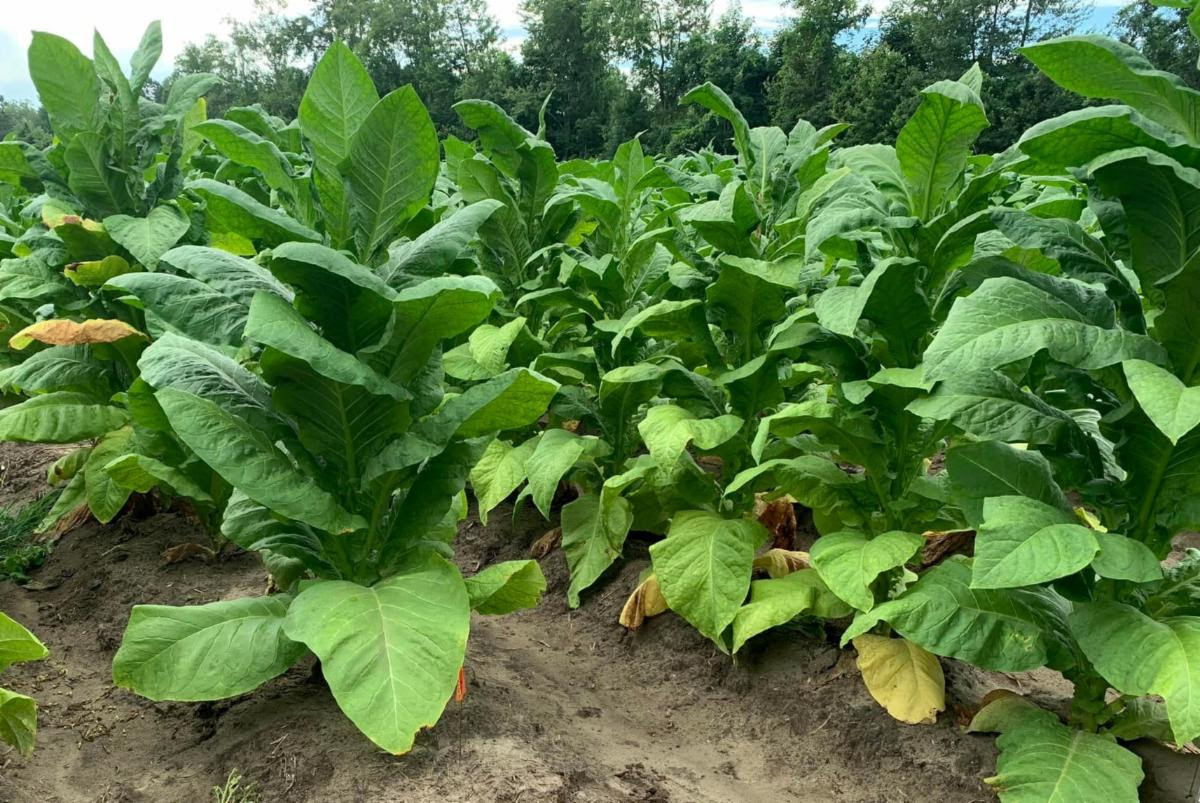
(563, 706)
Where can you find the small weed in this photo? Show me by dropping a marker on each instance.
(18, 551)
(232, 791)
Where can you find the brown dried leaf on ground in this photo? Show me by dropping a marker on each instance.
(69, 522)
(546, 544)
(646, 600)
(188, 551)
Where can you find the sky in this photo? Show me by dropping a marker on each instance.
(121, 23)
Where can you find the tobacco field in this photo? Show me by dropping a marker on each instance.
(330, 426)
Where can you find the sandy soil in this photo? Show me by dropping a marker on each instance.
(563, 706)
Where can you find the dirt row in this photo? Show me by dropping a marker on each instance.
(563, 706)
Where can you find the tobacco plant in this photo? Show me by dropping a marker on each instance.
(18, 713)
(347, 459)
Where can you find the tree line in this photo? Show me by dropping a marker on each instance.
(596, 72)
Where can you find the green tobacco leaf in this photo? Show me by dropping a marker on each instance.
(14, 166)
(681, 322)
(594, 527)
(889, 296)
(1173, 407)
(1006, 320)
(348, 302)
(703, 567)
(339, 95)
(1043, 761)
(778, 601)
(226, 273)
(987, 404)
(253, 527)
(1076, 138)
(1162, 479)
(145, 57)
(90, 178)
(1122, 558)
(18, 720)
(1161, 202)
(248, 460)
(1009, 630)
(1100, 67)
(1164, 662)
(850, 562)
(434, 251)
(204, 652)
(67, 85)
(17, 644)
(188, 365)
(391, 167)
(106, 496)
(242, 146)
(148, 238)
(512, 400)
(61, 417)
(228, 209)
(485, 354)
(506, 587)
(390, 653)
(667, 430)
(141, 473)
(1022, 542)
(58, 368)
(276, 323)
(433, 311)
(750, 293)
(713, 98)
(499, 472)
(934, 144)
(556, 452)
(183, 306)
(990, 468)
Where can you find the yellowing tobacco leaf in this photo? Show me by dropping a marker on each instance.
(903, 678)
(1089, 519)
(61, 332)
(646, 600)
(232, 242)
(94, 273)
(782, 562)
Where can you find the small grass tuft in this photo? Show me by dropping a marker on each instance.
(19, 553)
(233, 790)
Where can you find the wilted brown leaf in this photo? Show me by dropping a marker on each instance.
(182, 552)
(779, 517)
(546, 544)
(939, 545)
(646, 600)
(64, 525)
(781, 562)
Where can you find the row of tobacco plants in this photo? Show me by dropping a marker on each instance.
(976, 374)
